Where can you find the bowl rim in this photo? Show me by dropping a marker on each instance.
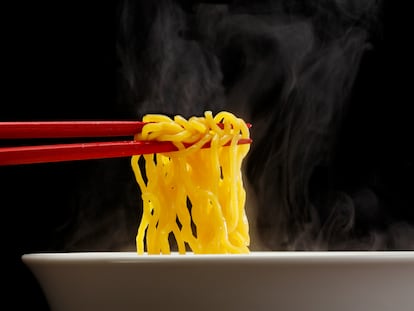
(253, 256)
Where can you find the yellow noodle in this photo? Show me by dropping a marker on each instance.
(195, 195)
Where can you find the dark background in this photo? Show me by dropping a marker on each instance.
(62, 65)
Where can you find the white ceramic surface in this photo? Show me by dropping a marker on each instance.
(122, 281)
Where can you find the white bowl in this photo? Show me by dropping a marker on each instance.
(377, 281)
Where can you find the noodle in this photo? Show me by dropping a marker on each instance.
(194, 195)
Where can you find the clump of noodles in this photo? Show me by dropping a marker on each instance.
(195, 194)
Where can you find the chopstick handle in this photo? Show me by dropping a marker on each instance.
(69, 129)
(79, 151)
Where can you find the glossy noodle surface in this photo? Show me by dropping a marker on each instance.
(195, 197)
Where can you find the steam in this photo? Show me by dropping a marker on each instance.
(289, 68)
(106, 211)
(166, 70)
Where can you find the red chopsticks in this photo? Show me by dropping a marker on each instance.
(77, 151)
(69, 129)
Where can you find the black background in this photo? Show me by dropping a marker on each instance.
(61, 64)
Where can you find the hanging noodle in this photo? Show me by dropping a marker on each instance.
(194, 195)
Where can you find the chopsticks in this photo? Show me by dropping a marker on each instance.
(15, 155)
(69, 129)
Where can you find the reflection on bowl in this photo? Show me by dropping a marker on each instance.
(320, 281)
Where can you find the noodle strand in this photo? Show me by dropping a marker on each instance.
(194, 196)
